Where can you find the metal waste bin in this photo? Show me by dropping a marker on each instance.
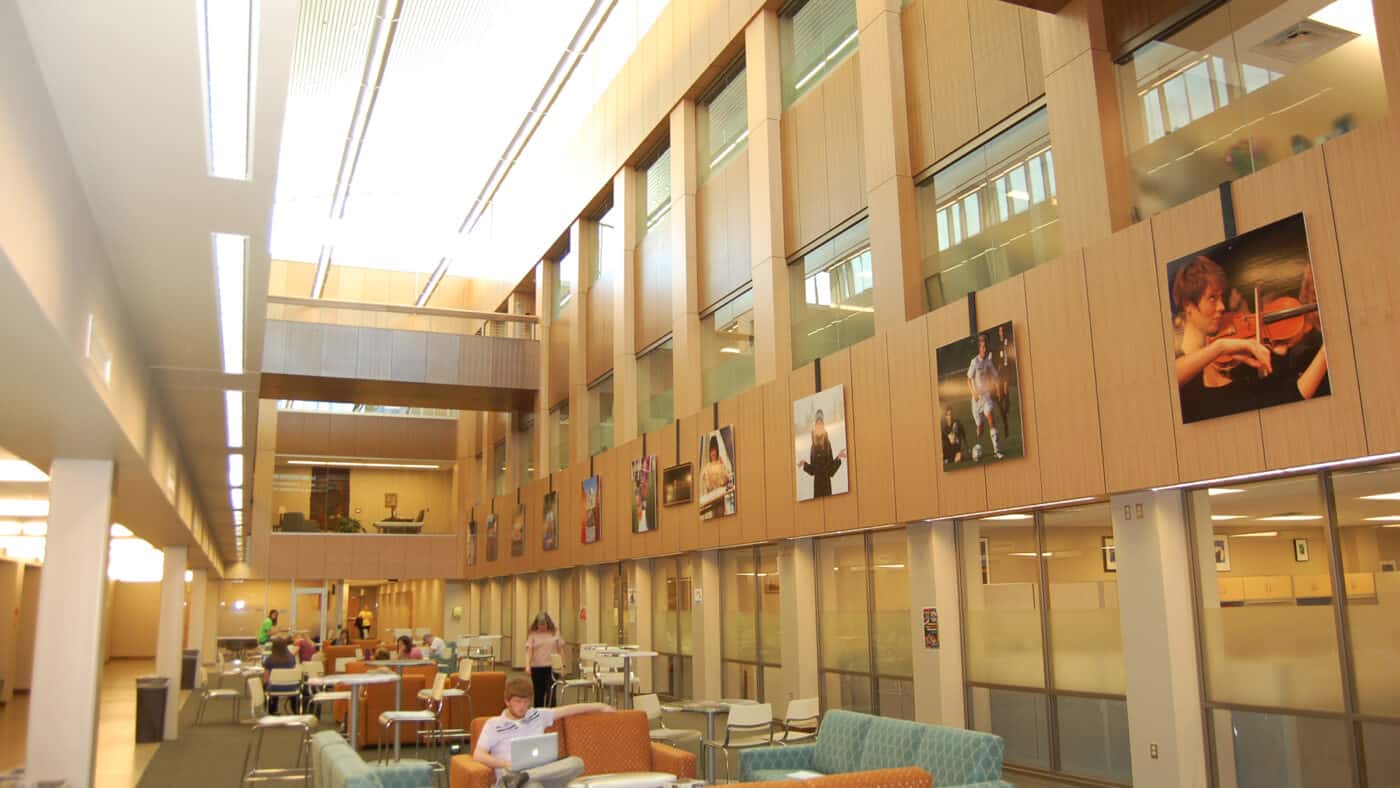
(189, 668)
(150, 708)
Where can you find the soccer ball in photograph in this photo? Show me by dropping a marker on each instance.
(977, 453)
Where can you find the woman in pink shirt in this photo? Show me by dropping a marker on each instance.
(542, 643)
(407, 650)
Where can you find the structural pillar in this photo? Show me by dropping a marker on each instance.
(62, 737)
(551, 597)
(894, 219)
(938, 672)
(199, 593)
(169, 644)
(706, 629)
(685, 260)
(624, 309)
(593, 604)
(544, 308)
(257, 523)
(583, 240)
(798, 602)
(11, 599)
(640, 585)
(1159, 639)
(772, 311)
(523, 615)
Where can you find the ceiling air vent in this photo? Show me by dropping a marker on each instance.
(1303, 42)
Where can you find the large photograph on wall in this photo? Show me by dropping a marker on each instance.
(517, 531)
(491, 524)
(471, 543)
(819, 437)
(591, 511)
(551, 520)
(644, 509)
(718, 494)
(1245, 323)
(979, 399)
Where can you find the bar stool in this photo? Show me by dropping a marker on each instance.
(392, 719)
(208, 693)
(264, 722)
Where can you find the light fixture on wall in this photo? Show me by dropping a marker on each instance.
(1290, 518)
(1010, 517)
(1385, 518)
(1220, 517)
(398, 465)
(1393, 496)
(1214, 491)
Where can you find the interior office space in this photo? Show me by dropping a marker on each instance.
(1094, 300)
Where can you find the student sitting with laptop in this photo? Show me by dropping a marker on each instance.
(515, 741)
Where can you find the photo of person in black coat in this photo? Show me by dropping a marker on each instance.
(820, 444)
(822, 465)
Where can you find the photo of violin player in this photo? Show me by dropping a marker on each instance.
(1246, 323)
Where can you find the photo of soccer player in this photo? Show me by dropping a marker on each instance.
(979, 399)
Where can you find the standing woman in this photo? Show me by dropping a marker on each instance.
(542, 643)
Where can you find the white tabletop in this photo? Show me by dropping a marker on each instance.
(354, 679)
(398, 663)
(624, 652)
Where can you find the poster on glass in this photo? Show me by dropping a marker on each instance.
(551, 520)
(590, 510)
(1246, 332)
(491, 536)
(718, 495)
(644, 508)
(819, 438)
(517, 531)
(979, 399)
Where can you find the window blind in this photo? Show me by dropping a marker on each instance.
(659, 185)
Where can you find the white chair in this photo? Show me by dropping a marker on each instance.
(288, 684)
(749, 725)
(608, 672)
(264, 722)
(391, 720)
(208, 693)
(580, 684)
(341, 662)
(650, 704)
(801, 720)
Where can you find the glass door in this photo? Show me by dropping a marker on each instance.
(309, 611)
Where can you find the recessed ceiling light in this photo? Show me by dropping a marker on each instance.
(730, 349)
(1393, 496)
(1032, 555)
(230, 264)
(1385, 518)
(1290, 518)
(1255, 533)
(235, 470)
(189, 575)
(233, 413)
(16, 470)
(1227, 516)
(1009, 517)
(401, 465)
(1214, 491)
(24, 507)
(235, 498)
(238, 518)
(228, 88)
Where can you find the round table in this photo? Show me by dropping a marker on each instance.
(398, 665)
(355, 680)
(628, 653)
(709, 708)
(625, 780)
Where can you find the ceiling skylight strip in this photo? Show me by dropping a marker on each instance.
(230, 265)
(228, 84)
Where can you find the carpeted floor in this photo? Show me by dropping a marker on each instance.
(212, 753)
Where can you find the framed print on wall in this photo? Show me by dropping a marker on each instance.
(551, 520)
(590, 510)
(517, 532)
(491, 524)
(718, 492)
(979, 399)
(819, 438)
(1110, 554)
(644, 509)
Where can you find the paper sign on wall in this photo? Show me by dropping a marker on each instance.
(699, 597)
(930, 628)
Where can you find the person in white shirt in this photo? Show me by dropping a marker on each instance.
(517, 721)
(434, 646)
(984, 381)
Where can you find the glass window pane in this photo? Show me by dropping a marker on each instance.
(726, 349)
(770, 611)
(655, 388)
(1254, 750)
(889, 553)
(684, 599)
(896, 697)
(723, 124)
(569, 605)
(740, 680)
(1381, 743)
(812, 40)
(1094, 737)
(1252, 589)
(1002, 602)
(1086, 638)
(1369, 530)
(559, 435)
(663, 605)
(854, 692)
(600, 416)
(1021, 718)
(841, 604)
(832, 295)
(739, 604)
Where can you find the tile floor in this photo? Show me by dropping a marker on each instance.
(120, 760)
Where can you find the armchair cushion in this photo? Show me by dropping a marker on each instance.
(840, 740)
(773, 763)
(610, 743)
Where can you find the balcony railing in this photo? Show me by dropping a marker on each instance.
(403, 317)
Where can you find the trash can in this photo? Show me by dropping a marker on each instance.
(150, 708)
(189, 668)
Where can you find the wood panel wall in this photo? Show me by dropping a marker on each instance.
(823, 157)
(344, 435)
(722, 210)
(654, 282)
(369, 285)
(601, 295)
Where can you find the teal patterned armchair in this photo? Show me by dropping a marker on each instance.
(852, 742)
(335, 764)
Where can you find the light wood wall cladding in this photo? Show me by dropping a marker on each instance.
(914, 440)
(967, 65)
(654, 282)
(600, 323)
(870, 461)
(329, 556)
(368, 285)
(344, 435)
(779, 463)
(1125, 19)
(560, 329)
(823, 157)
(722, 208)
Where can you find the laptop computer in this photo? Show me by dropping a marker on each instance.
(528, 752)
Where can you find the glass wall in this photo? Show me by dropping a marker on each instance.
(600, 415)
(565, 284)
(1051, 684)
(671, 626)
(814, 36)
(570, 600)
(991, 214)
(656, 387)
(507, 586)
(752, 623)
(531, 439)
(726, 349)
(1248, 84)
(498, 466)
(722, 121)
(559, 435)
(832, 293)
(1313, 556)
(656, 201)
(865, 657)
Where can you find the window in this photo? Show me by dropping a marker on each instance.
(671, 626)
(570, 600)
(813, 38)
(991, 214)
(312, 406)
(658, 188)
(498, 466)
(600, 415)
(723, 121)
(619, 622)
(565, 275)
(608, 261)
(655, 387)
(865, 655)
(832, 293)
(726, 349)
(752, 624)
(559, 435)
(507, 586)
(1241, 87)
(528, 435)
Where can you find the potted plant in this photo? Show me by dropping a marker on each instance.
(348, 525)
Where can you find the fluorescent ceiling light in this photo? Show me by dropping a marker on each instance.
(1032, 555)
(1290, 518)
(235, 498)
(1255, 533)
(1353, 15)
(238, 520)
(230, 262)
(1226, 517)
(1010, 517)
(233, 412)
(728, 349)
(189, 575)
(17, 470)
(120, 531)
(228, 75)
(1394, 496)
(9, 528)
(403, 465)
(24, 507)
(881, 566)
(1385, 518)
(235, 470)
(1214, 491)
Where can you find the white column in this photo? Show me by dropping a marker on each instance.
(63, 696)
(938, 689)
(798, 600)
(640, 582)
(705, 624)
(199, 592)
(169, 645)
(521, 625)
(592, 603)
(1159, 640)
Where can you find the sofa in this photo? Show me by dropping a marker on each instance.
(850, 742)
(335, 764)
(607, 742)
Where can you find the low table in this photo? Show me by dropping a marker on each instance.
(625, 780)
(399, 526)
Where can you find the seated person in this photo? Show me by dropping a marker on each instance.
(383, 654)
(520, 720)
(437, 648)
(306, 650)
(406, 649)
(279, 657)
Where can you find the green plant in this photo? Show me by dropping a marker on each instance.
(348, 525)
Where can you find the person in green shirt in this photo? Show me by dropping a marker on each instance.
(265, 631)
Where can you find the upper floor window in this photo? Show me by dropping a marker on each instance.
(658, 188)
(564, 274)
(832, 291)
(724, 121)
(814, 36)
(600, 415)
